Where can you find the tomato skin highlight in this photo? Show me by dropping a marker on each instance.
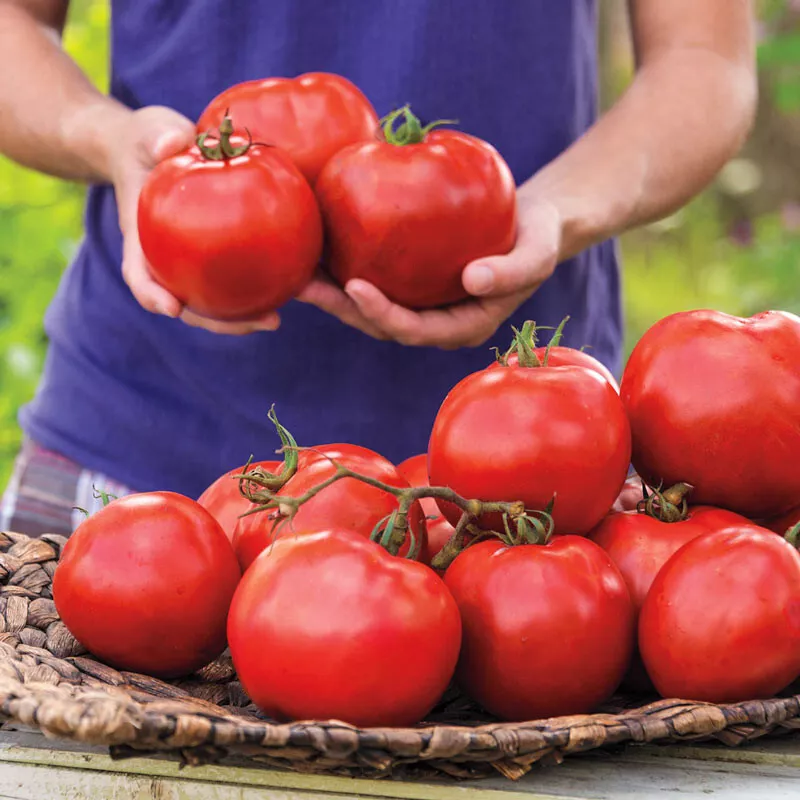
(346, 504)
(714, 400)
(145, 584)
(225, 502)
(531, 433)
(547, 629)
(231, 239)
(328, 625)
(439, 530)
(408, 219)
(721, 622)
(312, 117)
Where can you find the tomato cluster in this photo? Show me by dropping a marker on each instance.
(235, 226)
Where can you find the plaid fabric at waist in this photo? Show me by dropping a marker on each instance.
(46, 492)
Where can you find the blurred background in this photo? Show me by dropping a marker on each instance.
(735, 248)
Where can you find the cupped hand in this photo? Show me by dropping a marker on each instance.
(498, 285)
(149, 136)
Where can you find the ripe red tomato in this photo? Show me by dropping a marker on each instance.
(408, 219)
(230, 238)
(320, 621)
(225, 502)
(347, 504)
(786, 521)
(714, 400)
(311, 117)
(529, 433)
(146, 582)
(721, 622)
(439, 530)
(563, 357)
(547, 629)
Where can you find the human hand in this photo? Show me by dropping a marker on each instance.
(147, 137)
(498, 284)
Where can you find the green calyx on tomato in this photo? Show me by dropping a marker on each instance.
(525, 342)
(670, 505)
(793, 536)
(223, 149)
(410, 130)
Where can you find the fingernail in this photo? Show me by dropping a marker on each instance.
(481, 279)
(271, 324)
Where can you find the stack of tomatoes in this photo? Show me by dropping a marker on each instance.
(234, 227)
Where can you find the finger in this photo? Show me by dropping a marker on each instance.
(466, 324)
(267, 322)
(326, 295)
(530, 262)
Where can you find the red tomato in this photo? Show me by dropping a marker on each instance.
(529, 433)
(714, 400)
(547, 629)
(409, 218)
(347, 504)
(786, 521)
(232, 238)
(320, 622)
(439, 530)
(311, 117)
(225, 502)
(146, 582)
(564, 357)
(721, 622)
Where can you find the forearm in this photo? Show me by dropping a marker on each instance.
(51, 117)
(686, 113)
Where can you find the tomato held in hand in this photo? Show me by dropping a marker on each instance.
(231, 232)
(439, 530)
(146, 582)
(347, 504)
(312, 117)
(547, 629)
(330, 626)
(409, 213)
(224, 500)
(714, 400)
(530, 433)
(721, 622)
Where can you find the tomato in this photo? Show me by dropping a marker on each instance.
(330, 626)
(439, 530)
(409, 218)
(721, 622)
(230, 238)
(547, 629)
(714, 400)
(225, 502)
(786, 521)
(566, 356)
(311, 117)
(146, 582)
(531, 433)
(347, 504)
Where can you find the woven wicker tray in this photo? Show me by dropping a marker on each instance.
(49, 682)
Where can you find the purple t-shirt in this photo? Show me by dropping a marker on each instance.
(157, 404)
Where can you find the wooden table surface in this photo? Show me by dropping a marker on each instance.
(34, 768)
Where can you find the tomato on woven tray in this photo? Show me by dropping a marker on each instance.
(714, 400)
(346, 504)
(721, 622)
(533, 432)
(640, 542)
(145, 584)
(232, 230)
(312, 117)
(547, 627)
(329, 625)
(409, 212)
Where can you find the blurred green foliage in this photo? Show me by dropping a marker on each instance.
(718, 252)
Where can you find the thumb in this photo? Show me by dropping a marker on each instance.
(171, 141)
(530, 262)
